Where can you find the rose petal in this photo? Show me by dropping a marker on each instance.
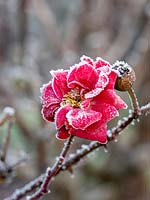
(108, 112)
(81, 119)
(99, 87)
(102, 81)
(48, 96)
(49, 112)
(93, 93)
(82, 75)
(99, 132)
(87, 59)
(112, 80)
(105, 69)
(60, 117)
(59, 82)
(85, 104)
(62, 134)
(101, 62)
(109, 97)
(93, 132)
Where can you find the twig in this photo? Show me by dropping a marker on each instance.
(3, 120)
(17, 163)
(80, 154)
(51, 172)
(84, 151)
(112, 134)
(8, 115)
(145, 109)
(6, 170)
(6, 142)
(134, 100)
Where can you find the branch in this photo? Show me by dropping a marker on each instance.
(79, 154)
(86, 149)
(52, 172)
(8, 115)
(134, 100)
(6, 142)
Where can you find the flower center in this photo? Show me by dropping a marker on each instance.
(73, 98)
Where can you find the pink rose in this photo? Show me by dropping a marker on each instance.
(82, 100)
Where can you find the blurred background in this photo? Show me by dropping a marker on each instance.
(39, 35)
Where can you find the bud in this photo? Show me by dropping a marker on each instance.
(126, 75)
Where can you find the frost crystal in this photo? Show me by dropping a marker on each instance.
(64, 167)
(133, 123)
(115, 140)
(86, 147)
(120, 67)
(71, 155)
(79, 151)
(105, 150)
(28, 197)
(109, 133)
(9, 111)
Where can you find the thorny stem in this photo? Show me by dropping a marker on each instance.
(29, 187)
(94, 145)
(51, 172)
(134, 100)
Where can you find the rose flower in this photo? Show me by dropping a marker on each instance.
(82, 100)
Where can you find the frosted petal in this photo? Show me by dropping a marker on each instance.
(93, 93)
(110, 97)
(48, 96)
(108, 112)
(101, 62)
(87, 59)
(49, 112)
(62, 134)
(61, 116)
(112, 80)
(81, 119)
(93, 132)
(105, 69)
(102, 81)
(59, 83)
(85, 104)
(82, 75)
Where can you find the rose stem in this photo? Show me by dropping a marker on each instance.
(134, 100)
(51, 172)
